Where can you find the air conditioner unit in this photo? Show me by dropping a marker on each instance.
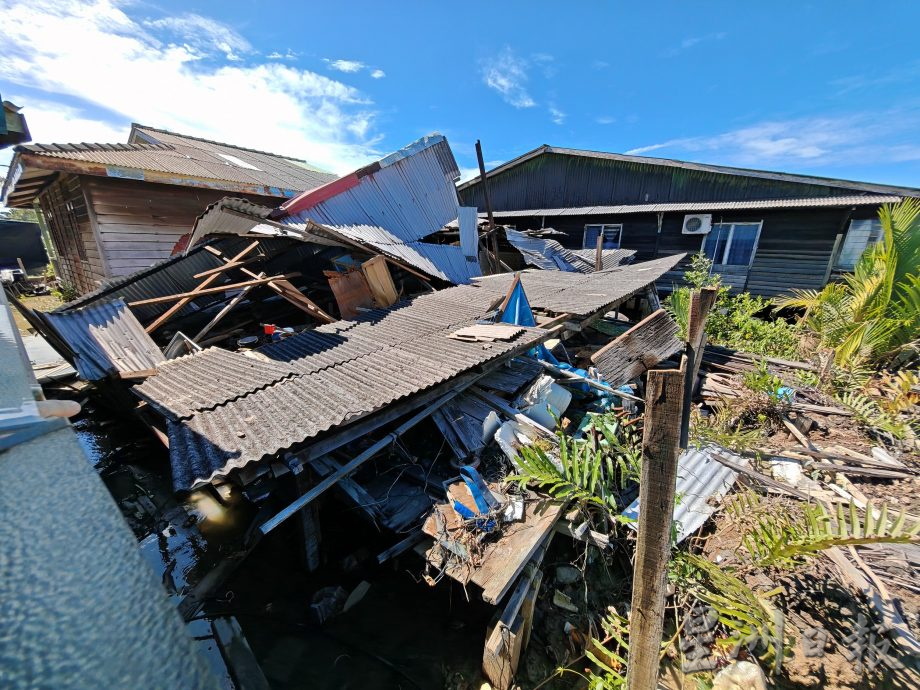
(697, 224)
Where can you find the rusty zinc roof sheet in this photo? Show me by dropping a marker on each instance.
(187, 156)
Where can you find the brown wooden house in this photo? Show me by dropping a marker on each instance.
(112, 209)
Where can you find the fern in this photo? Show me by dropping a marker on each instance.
(869, 413)
(743, 613)
(779, 538)
(588, 471)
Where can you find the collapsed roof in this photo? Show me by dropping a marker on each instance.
(392, 207)
(224, 410)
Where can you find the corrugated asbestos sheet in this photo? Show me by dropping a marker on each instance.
(345, 371)
(220, 376)
(106, 339)
(578, 294)
(704, 206)
(702, 482)
(610, 258)
(188, 156)
(552, 256)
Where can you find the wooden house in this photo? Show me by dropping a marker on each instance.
(766, 232)
(112, 209)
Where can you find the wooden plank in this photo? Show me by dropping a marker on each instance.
(207, 291)
(223, 312)
(380, 281)
(166, 315)
(506, 559)
(639, 349)
(227, 267)
(701, 303)
(660, 449)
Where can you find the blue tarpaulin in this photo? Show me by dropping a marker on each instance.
(517, 312)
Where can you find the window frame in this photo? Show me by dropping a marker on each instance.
(876, 229)
(731, 236)
(603, 227)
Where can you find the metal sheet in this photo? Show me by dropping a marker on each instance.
(702, 482)
(552, 256)
(704, 206)
(106, 339)
(178, 154)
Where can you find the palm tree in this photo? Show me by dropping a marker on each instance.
(873, 316)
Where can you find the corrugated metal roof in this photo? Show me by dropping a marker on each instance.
(704, 206)
(168, 277)
(387, 207)
(411, 194)
(702, 482)
(346, 370)
(159, 151)
(552, 256)
(579, 294)
(106, 339)
(440, 260)
(703, 167)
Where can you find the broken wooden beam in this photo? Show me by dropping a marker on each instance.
(646, 344)
(209, 291)
(166, 315)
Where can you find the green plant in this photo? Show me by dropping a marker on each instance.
(65, 293)
(723, 428)
(733, 321)
(589, 471)
(747, 617)
(783, 538)
(874, 315)
(761, 380)
(868, 413)
(610, 661)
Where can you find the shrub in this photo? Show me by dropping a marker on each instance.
(733, 321)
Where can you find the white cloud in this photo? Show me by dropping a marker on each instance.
(378, 74)
(202, 33)
(348, 66)
(275, 55)
(865, 138)
(691, 41)
(506, 73)
(556, 115)
(132, 69)
(605, 120)
(468, 173)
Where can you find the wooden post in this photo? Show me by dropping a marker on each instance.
(664, 400)
(488, 200)
(599, 253)
(701, 303)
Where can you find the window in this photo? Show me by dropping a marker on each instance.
(861, 235)
(612, 236)
(732, 244)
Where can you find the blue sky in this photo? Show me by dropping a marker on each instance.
(827, 88)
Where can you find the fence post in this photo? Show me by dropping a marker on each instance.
(664, 400)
